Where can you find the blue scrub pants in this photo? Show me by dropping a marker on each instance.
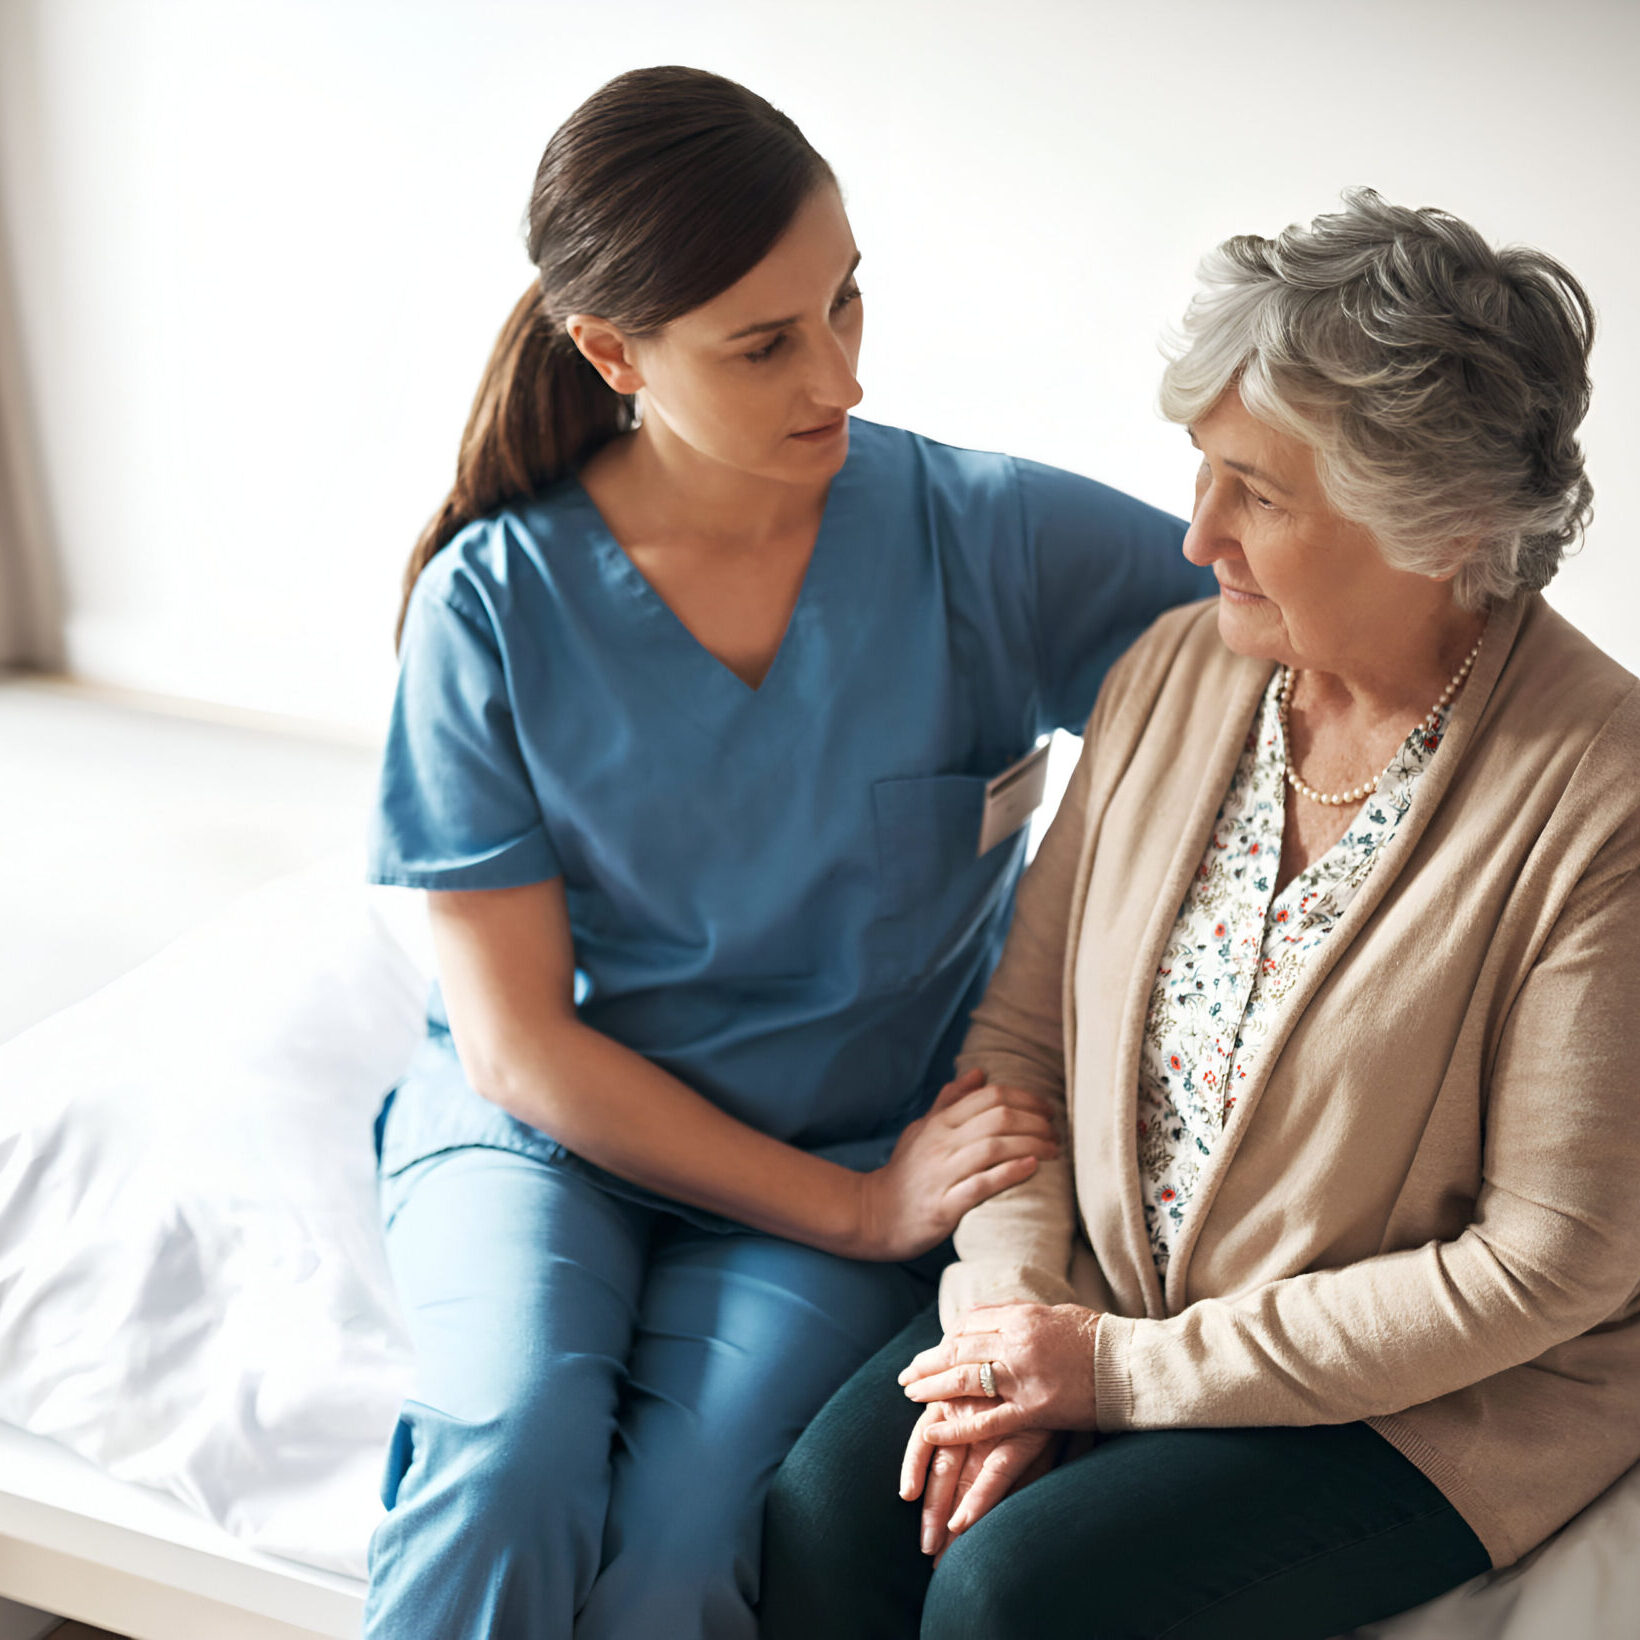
(603, 1391)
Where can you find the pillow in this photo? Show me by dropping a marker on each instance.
(193, 1289)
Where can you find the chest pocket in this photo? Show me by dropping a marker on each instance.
(934, 895)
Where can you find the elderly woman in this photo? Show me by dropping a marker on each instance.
(1332, 961)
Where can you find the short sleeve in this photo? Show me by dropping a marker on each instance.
(1100, 566)
(456, 808)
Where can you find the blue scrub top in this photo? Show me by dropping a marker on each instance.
(774, 892)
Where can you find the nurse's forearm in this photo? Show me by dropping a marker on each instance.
(624, 1113)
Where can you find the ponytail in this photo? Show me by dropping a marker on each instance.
(541, 410)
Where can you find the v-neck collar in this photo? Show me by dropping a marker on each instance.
(677, 653)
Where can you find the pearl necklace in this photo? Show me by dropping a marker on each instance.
(1356, 794)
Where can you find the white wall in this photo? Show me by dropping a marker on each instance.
(262, 250)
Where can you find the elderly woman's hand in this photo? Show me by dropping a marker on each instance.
(958, 1484)
(1041, 1361)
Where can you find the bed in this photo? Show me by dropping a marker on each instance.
(78, 1543)
(200, 1355)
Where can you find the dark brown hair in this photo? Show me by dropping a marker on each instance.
(659, 192)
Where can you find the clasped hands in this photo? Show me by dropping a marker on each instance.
(969, 1449)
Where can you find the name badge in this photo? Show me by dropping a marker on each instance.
(1012, 797)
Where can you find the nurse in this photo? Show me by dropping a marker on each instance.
(703, 687)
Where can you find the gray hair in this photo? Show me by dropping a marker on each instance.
(1439, 382)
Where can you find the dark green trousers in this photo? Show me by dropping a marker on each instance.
(1192, 1534)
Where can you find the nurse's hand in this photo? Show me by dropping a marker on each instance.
(976, 1139)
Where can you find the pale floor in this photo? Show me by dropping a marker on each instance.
(121, 827)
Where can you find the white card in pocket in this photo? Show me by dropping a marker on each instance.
(1012, 797)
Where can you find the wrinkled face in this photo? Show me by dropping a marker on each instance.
(1297, 583)
(761, 378)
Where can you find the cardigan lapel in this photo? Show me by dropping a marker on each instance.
(1502, 627)
(1245, 689)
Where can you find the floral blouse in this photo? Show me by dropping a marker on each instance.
(1236, 950)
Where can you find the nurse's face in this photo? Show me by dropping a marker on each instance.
(761, 378)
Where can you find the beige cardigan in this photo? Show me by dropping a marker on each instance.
(1425, 1209)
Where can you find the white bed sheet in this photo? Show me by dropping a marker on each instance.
(193, 1290)
(75, 1541)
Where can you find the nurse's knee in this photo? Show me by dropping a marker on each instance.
(679, 1560)
(526, 1475)
(533, 1473)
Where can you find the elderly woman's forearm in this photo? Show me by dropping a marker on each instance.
(1367, 1340)
(1016, 1247)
